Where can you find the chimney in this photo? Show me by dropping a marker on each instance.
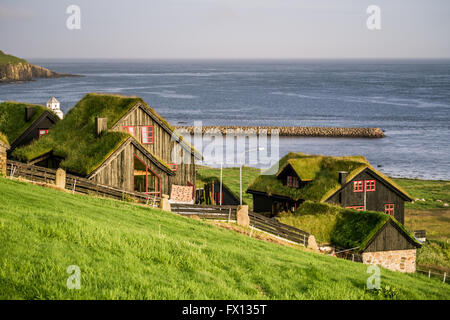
(342, 177)
(101, 124)
(29, 113)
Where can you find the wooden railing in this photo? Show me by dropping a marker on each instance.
(257, 220)
(75, 183)
(205, 211)
(279, 229)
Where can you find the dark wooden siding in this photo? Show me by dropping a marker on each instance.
(162, 147)
(389, 238)
(262, 203)
(375, 200)
(118, 170)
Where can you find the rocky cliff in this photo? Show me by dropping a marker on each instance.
(16, 69)
(26, 72)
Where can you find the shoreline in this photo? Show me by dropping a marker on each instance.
(347, 132)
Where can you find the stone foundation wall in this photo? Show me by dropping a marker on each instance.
(2, 161)
(398, 260)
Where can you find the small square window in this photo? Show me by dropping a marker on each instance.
(370, 185)
(42, 132)
(173, 166)
(389, 209)
(358, 186)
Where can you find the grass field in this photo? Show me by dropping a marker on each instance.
(231, 179)
(127, 251)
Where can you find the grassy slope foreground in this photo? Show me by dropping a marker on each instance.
(122, 255)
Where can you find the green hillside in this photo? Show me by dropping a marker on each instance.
(127, 251)
(9, 59)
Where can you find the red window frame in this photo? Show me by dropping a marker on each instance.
(289, 181)
(149, 138)
(173, 166)
(370, 185)
(295, 182)
(358, 186)
(359, 208)
(127, 129)
(42, 134)
(389, 208)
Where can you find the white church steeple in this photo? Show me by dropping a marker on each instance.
(53, 105)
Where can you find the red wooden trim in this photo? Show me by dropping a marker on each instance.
(359, 208)
(127, 129)
(43, 134)
(173, 166)
(150, 129)
(389, 208)
(358, 186)
(370, 185)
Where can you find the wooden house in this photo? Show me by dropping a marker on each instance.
(23, 123)
(214, 195)
(375, 239)
(350, 182)
(117, 141)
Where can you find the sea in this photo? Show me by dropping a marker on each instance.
(408, 99)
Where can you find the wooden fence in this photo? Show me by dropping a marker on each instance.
(205, 211)
(75, 183)
(279, 229)
(434, 274)
(257, 221)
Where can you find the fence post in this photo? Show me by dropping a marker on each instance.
(242, 218)
(429, 273)
(229, 215)
(445, 275)
(251, 231)
(60, 178)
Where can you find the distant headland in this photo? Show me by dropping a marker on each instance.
(14, 69)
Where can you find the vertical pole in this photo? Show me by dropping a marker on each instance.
(445, 275)
(365, 195)
(220, 195)
(429, 273)
(240, 184)
(229, 215)
(251, 231)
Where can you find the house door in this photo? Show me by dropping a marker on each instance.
(145, 180)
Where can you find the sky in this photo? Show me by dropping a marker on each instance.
(225, 29)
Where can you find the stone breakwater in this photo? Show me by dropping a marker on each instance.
(294, 131)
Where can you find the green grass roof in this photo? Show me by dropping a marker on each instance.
(12, 118)
(74, 138)
(9, 59)
(321, 171)
(345, 228)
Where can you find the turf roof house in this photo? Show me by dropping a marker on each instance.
(375, 237)
(22, 123)
(350, 182)
(117, 141)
